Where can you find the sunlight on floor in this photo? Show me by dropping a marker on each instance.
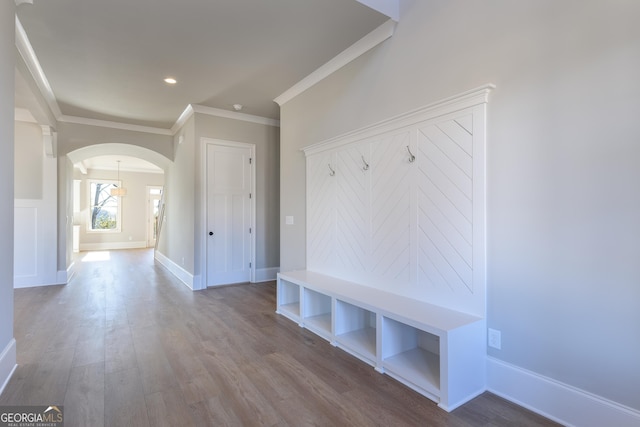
(96, 256)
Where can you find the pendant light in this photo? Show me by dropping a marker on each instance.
(119, 191)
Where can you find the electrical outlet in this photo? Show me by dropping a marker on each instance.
(495, 339)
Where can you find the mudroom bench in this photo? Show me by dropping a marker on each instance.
(438, 352)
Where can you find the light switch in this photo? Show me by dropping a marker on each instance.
(288, 220)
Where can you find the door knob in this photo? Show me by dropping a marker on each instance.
(211, 233)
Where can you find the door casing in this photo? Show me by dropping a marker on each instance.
(202, 236)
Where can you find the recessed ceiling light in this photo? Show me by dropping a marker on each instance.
(170, 80)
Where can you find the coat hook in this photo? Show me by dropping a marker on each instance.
(366, 165)
(332, 173)
(412, 158)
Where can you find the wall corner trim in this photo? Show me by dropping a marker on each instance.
(555, 400)
(8, 363)
(368, 42)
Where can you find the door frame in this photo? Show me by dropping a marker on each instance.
(149, 211)
(204, 143)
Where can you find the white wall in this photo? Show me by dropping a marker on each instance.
(134, 225)
(563, 199)
(7, 53)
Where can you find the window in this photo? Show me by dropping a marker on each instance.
(104, 209)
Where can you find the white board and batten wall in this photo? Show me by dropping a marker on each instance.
(396, 247)
(35, 208)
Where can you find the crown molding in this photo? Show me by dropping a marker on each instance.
(368, 42)
(182, 119)
(33, 65)
(114, 125)
(31, 60)
(218, 112)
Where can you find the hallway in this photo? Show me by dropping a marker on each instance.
(126, 344)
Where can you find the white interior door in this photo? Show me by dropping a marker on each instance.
(229, 197)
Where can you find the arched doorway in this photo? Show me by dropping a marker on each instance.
(96, 219)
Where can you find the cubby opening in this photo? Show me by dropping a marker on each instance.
(289, 299)
(317, 312)
(411, 355)
(356, 330)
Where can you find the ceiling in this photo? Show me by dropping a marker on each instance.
(106, 59)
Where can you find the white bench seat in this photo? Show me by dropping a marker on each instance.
(436, 351)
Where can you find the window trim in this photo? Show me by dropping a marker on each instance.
(118, 228)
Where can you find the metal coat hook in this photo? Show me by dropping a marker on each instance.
(333, 172)
(412, 158)
(366, 165)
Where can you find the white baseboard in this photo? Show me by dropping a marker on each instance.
(60, 277)
(8, 364)
(555, 400)
(112, 246)
(266, 274)
(183, 275)
(64, 276)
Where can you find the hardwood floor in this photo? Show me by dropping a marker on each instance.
(126, 344)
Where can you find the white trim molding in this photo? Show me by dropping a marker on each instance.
(112, 246)
(365, 44)
(181, 274)
(557, 401)
(8, 363)
(31, 60)
(65, 276)
(50, 141)
(191, 109)
(182, 119)
(113, 125)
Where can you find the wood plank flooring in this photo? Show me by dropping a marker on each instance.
(126, 344)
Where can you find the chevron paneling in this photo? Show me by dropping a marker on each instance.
(353, 209)
(321, 201)
(445, 206)
(408, 227)
(390, 207)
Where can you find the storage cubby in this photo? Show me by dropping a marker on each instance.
(411, 355)
(317, 313)
(436, 351)
(355, 331)
(289, 300)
